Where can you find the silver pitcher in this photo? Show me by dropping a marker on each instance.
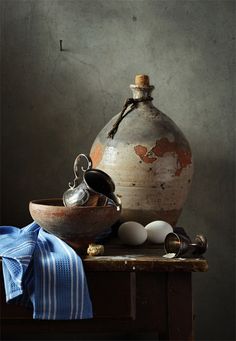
(96, 187)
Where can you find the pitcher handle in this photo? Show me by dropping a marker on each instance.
(76, 166)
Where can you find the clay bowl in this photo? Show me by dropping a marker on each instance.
(78, 226)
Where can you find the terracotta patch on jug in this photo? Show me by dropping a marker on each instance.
(165, 146)
(96, 154)
(141, 151)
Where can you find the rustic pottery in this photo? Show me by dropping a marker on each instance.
(78, 226)
(148, 158)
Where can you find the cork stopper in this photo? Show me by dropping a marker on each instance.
(141, 80)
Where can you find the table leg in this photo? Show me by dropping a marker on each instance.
(179, 298)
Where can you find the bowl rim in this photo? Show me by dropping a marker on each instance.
(42, 203)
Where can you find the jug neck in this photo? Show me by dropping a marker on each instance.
(142, 92)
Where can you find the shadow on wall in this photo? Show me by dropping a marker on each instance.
(210, 210)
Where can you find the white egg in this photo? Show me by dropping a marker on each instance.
(157, 231)
(132, 233)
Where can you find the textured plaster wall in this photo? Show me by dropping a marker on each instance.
(54, 103)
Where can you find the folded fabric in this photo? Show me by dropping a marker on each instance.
(42, 271)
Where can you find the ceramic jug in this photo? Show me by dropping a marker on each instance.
(148, 158)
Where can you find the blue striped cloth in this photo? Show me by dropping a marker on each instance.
(42, 271)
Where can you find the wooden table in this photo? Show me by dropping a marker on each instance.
(136, 294)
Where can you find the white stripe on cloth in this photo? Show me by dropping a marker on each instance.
(51, 276)
(71, 280)
(41, 270)
(14, 250)
(82, 295)
(43, 297)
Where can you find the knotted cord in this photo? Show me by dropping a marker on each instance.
(132, 102)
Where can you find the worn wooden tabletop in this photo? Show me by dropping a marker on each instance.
(147, 257)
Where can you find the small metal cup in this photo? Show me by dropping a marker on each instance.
(96, 187)
(181, 245)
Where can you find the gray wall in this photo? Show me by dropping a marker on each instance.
(54, 103)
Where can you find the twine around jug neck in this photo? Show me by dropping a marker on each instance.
(132, 102)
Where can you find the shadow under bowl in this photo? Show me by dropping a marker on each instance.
(78, 226)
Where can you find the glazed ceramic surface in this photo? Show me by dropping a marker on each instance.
(150, 161)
